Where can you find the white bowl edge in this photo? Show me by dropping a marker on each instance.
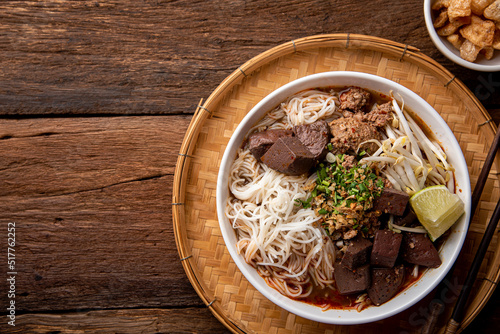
(448, 254)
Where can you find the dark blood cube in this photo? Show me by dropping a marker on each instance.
(357, 253)
(385, 250)
(408, 219)
(418, 249)
(351, 281)
(260, 142)
(391, 201)
(385, 283)
(289, 156)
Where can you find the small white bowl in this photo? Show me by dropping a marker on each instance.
(446, 48)
(450, 248)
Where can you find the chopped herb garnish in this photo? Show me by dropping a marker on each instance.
(343, 194)
(305, 204)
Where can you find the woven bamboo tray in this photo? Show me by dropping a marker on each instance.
(208, 265)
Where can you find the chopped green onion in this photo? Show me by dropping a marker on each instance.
(322, 174)
(362, 187)
(338, 187)
(321, 188)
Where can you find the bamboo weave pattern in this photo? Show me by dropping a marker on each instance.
(209, 266)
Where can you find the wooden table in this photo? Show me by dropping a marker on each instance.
(95, 99)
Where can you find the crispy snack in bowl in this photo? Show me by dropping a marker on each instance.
(496, 40)
(471, 26)
(441, 20)
(459, 9)
(478, 6)
(439, 4)
(469, 51)
(479, 32)
(492, 12)
(452, 26)
(455, 40)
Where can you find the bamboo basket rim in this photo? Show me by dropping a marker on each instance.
(205, 111)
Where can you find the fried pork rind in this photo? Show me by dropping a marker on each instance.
(459, 9)
(453, 26)
(479, 32)
(441, 20)
(455, 40)
(478, 6)
(496, 40)
(487, 52)
(469, 51)
(492, 12)
(440, 4)
(471, 26)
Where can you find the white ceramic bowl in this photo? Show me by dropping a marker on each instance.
(448, 252)
(481, 63)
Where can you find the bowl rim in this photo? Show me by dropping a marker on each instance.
(446, 47)
(272, 294)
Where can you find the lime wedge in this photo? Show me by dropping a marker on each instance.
(437, 209)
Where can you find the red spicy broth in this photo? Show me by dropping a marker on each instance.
(329, 299)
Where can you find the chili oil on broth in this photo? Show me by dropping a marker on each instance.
(330, 299)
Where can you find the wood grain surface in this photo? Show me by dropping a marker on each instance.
(95, 98)
(160, 57)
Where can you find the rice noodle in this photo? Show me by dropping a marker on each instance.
(272, 232)
(308, 106)
(282, 241)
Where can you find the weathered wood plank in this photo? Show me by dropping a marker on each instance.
(188, 320)
(92, 207)
(54, 156)
(106, 248)
(161, 57)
